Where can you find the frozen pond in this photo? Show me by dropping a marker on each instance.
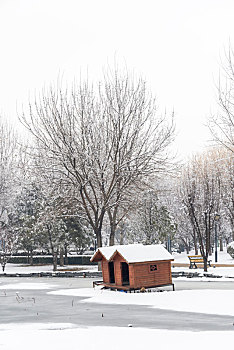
(26, 300)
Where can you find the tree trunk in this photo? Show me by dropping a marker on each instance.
(61, 258)
(53, 250)
(54, 253)
(113, 226)
(98, 234)
(31, 257)
(205, 263)
(112, 235)
(65, 255)
(121, 242)
(99, 239)
(99, 244)
(195, 244)
(186, 245)
(203, 251)
(221, 245)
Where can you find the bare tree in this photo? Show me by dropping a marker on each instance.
(106, 142)
(10, 159)
(201, 197)
(222, 125)
(224, 164)
(185, 234)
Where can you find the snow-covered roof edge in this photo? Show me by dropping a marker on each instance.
(108, 252)
(134, 253)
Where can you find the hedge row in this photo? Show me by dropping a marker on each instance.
(72, 260)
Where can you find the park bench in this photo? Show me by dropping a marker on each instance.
(196, 259)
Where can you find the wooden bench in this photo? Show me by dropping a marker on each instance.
(197, 259)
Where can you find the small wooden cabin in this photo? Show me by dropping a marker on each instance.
(133, 266)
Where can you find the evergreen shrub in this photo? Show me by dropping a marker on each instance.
(230, 249)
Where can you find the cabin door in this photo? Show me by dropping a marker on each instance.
(111, 272)
(125, 273)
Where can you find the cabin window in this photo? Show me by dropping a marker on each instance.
(153, 268)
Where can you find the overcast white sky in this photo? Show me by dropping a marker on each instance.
(176, 45)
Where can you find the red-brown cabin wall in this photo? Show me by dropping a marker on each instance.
(139, 273)
(118, 272)
(143, 277)
(105, 271)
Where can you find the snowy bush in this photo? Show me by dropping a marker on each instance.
(230, 249)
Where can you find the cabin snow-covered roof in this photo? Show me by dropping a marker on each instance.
(134, 253)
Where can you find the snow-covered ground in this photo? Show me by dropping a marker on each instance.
(42, 335)
(223, 258)
(227, 273)
(20, 286)
(218, 302)
(20, 268)
(209, 301)
(62, 336)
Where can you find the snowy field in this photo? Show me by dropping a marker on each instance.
(200, 301)
(226, 273)
(45, 337)
(197, 300)
(223, 258)
(59, 335)
(20, 268)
